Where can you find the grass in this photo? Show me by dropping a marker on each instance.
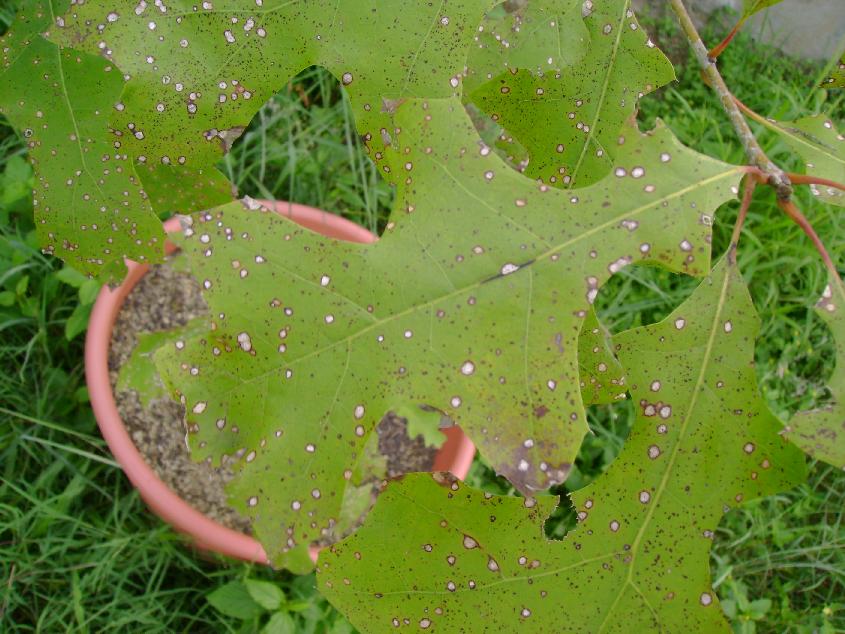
(78, 550)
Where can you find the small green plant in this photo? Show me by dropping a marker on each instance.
(743, 613)
(522, 186)
(262, 606)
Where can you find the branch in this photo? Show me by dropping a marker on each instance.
(756, 156)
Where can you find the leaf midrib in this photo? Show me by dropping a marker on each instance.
(602, 96)
(661, 488)
(434, 301)
(527, 578)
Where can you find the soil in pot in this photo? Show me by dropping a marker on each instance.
(168, 298)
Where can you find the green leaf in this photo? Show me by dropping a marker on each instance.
(234, 600)
(88, 292)
(140, 374)
(817, 141)
(471, 302)
(759, 608)
(22, 285)
(70, 276)
(280, 623)
(266, 594)
(821, 432)
(89, 207)
(16, 184)
(750, 7)
(703, 443)
(570, 121)
(77, 323)
(539, 36)
(602, 377)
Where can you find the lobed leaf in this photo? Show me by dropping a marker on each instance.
(817, 141)
(602, 377)
(539, 36)
(140, 374)
(472, 302)
(703, 443)
(89, 206)
(821, 433)
(569, 121)
(199, 71)
(176, 190)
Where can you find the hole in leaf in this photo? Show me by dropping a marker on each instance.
(640, 295)
(302, 147)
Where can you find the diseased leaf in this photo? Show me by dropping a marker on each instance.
(837, 76)
(89, 206)
(569, 121)
(210, 66)
(602, 376)
(703, 443)
(472, 303)
(750, 7)
(821, 433)
(817, 141)
(177, 190)
(538, 36)
(139, 373)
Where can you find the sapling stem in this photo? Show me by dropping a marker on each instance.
(775, 176)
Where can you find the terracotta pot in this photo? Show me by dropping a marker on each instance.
(456, 454)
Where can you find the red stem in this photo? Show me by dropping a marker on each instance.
(747, 194)
(809, 179)
(721, 46)
(798, 218)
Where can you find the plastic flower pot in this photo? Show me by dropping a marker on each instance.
(455, 455)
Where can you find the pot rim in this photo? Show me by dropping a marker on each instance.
(455, 455)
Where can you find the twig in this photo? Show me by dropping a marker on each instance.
(798, 218)
(747, 194)
(756, 156)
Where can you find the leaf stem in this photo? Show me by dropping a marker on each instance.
(749, 186)
(800, 219)
(809, 179)
(775, 176)
(721, 46)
